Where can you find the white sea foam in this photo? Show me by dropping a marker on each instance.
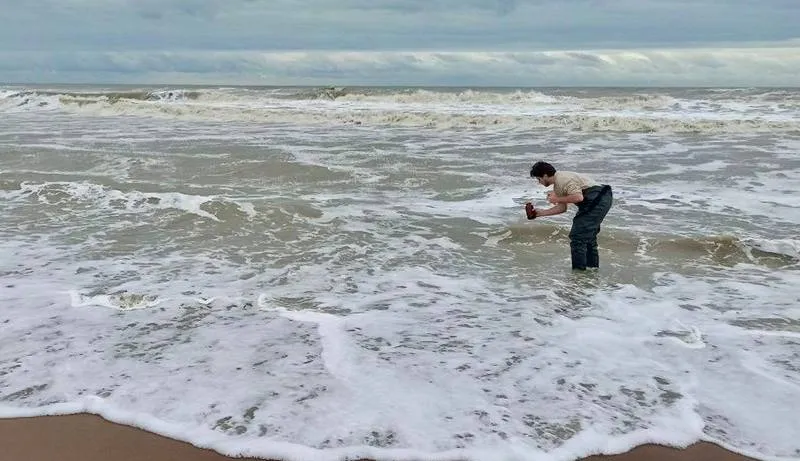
(20, 102)
(114, 200)
(786, 247)
(121, 301)
(368, 373)
(762, 198)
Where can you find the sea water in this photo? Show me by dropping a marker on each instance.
(330, 273)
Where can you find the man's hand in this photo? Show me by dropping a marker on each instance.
(553, 198)
(530, 211)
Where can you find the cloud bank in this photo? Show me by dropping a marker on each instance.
(679, 67)
(413, 42)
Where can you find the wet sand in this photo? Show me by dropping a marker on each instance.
(86, 437)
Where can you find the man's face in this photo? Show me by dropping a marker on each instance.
(544, 180)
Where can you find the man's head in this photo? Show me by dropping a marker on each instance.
(543, 172)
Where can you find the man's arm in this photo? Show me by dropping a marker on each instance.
(558, 209)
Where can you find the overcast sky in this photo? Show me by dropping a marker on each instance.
(402, 42)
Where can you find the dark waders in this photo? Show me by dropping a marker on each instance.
(596, 202)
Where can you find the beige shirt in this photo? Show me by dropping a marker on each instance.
(568, 183)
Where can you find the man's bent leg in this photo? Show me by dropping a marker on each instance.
(592, 256)
(585, 227)
(578, 249)
(598, 215)
(579, 237)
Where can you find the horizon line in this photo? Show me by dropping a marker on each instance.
(396, 85)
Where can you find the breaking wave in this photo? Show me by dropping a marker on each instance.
(716, 249)
(599, 111)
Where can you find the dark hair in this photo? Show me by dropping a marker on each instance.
(540, 169)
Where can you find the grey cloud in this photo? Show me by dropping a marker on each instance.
(390, 25)
(501, 7)
(159, 9)
(588, 59)
(720, 67)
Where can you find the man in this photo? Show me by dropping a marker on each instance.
(593, 202)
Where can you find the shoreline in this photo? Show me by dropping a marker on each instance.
(88, 437)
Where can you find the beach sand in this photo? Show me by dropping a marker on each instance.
(86, 437)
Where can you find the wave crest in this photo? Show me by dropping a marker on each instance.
(599, 111)
(717, 249)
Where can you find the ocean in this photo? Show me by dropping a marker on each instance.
(330, 273)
